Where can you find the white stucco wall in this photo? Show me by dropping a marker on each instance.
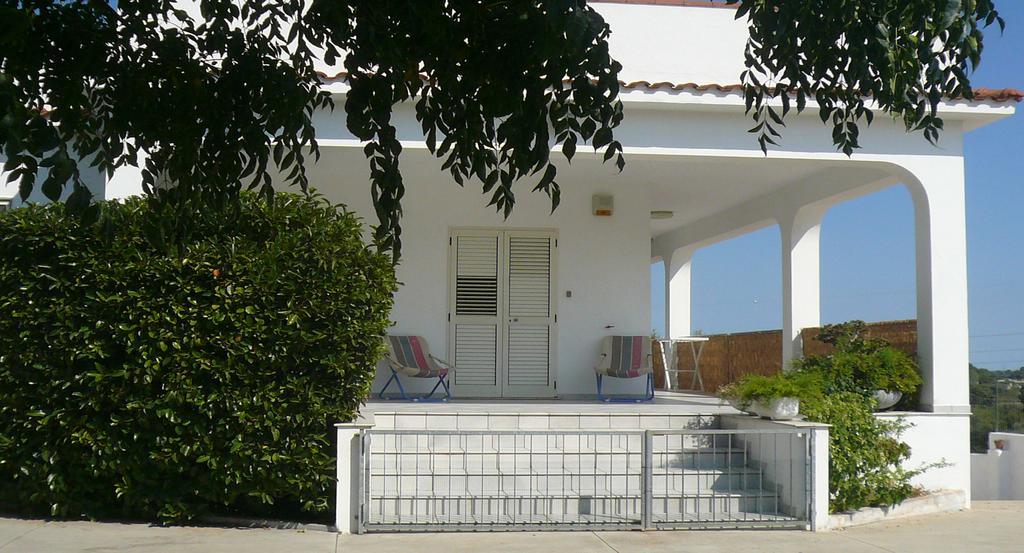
(999, 473)
(94, 180)
(655, 43)
(674, 43)
(604, 261)
(938, 438)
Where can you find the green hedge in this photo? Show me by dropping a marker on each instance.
(163, 381)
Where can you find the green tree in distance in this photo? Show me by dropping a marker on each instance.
(221, 99)
(997, 404)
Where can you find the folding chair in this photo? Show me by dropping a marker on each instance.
(625, 357)
(410, 356)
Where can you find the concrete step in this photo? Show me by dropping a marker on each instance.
(553, 462)
(505, 510)
(540, 443)
(718, 480)
(566, 483)
(520, 444)
(508, 485)
(742, 501)
(736, 506)
(705, 458)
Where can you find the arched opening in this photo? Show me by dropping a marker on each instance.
(868, 271)
(737, 284)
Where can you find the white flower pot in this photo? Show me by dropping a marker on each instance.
(781, 409)
(886, 399)
(736, 403)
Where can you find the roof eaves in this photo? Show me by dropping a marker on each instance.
(980, 94)
(682, 3)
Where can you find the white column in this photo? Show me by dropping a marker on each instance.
(347, 497)
(941, 235)
(801, 279)
(677, 292)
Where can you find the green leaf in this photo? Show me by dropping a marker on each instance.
(602, 137)
(569, 146)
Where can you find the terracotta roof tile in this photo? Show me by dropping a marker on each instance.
(982, 93)
(681, 86)
(990, 94)
(687, 3)
(999, 94)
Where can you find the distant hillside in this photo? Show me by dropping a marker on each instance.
(997, 403)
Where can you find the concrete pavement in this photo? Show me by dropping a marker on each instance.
(996, 526)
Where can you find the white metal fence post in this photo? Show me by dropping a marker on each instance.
(348, 497)
(648, 480)
(819, 515)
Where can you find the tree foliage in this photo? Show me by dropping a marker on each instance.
(221, 98)
(855, 56)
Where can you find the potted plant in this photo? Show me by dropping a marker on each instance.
(776, 397)
(889, 375)
(731, 394)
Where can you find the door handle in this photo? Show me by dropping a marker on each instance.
(513, 320)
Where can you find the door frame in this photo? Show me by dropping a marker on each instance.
(501, 388)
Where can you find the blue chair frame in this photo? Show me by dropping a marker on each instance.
(442, 381)
(648, 392)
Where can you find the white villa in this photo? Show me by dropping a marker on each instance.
(560, 282)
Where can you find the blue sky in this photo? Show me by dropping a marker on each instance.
(867, 245)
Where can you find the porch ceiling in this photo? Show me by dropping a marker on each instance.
(694, 188)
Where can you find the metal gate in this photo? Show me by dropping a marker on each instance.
(424, 480)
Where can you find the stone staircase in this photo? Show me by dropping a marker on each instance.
(537, 469)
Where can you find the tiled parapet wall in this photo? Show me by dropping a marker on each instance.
(814, 450)
(541, 421)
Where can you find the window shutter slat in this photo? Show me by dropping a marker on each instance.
(476, 354)
(529, 276)
(476, 278)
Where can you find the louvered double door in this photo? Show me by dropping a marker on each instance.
(502, 313)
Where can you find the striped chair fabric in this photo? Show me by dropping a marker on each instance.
(410, 356)
(625, 356)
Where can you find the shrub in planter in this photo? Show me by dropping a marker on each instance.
(865, 453)
(861, 365)
(155, 378)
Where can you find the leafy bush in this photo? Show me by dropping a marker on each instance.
(155, 378)
(865, 453)
(860, 364)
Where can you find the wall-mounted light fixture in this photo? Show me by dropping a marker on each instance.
(604, 205)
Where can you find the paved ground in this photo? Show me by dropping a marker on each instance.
(989, 527)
